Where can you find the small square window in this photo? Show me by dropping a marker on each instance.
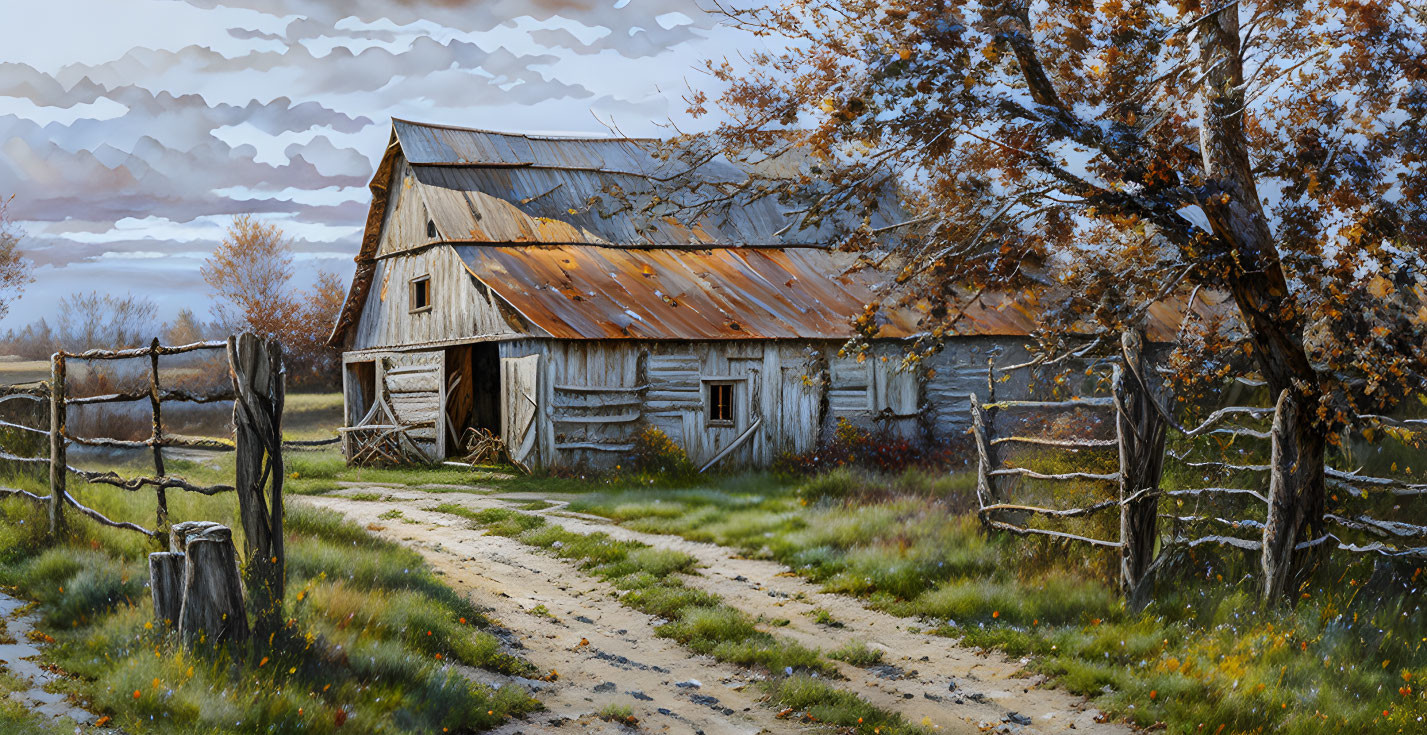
(420, 294)
(720, 404)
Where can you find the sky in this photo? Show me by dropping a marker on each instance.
(131, 131)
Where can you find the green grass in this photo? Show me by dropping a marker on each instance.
(372, 639)
(857, 653)
(1204, 652)
(701, 621)
(620, 713)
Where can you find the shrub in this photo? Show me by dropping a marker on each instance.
(880, 449)
(655, 453)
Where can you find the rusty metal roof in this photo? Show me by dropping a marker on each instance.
(595, 292)
(517, 208)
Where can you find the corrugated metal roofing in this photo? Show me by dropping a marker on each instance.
(620, 190)
(577, 278)
(593, 292)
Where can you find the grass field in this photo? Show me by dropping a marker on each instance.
(372, 645)
(1205, 657)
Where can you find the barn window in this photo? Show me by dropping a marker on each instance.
(720, 404)
(420, 294)
(430, 229)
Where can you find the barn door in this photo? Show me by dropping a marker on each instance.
(519, 378)
(797, 414)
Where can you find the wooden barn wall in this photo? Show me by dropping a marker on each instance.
(598, 395)
(462, 308)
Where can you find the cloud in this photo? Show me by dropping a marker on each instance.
(135, 155)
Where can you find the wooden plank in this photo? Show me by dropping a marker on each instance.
(601, 388)
(618, 418)
(596, 446)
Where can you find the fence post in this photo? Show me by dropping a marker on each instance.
(161, 525)
(258, 377)
(986, 490)
(1140, 434)
(59, 464)
(1279, 528)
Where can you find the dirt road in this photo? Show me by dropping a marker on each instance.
(606, 653)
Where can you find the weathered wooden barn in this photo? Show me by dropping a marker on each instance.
(501, 286)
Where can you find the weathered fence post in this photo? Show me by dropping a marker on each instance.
(987, 491)
(1140, 433)
(58, 462)
(1280, 527)
(258, 383)
(157, 436)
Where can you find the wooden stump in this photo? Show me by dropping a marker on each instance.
(213, 610)
(180, 533)
(166, 585)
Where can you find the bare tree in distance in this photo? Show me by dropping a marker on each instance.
(92, 320)
(1096, 158)
(14, 269)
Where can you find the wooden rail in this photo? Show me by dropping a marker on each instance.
(1140, 422)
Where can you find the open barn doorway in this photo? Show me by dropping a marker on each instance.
(472, 394)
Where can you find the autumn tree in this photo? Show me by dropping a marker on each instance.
(14, 269)
(251, 272)
(1101, 156)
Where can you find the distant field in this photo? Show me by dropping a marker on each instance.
(14, 372)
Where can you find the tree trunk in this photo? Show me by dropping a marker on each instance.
(1254, 273)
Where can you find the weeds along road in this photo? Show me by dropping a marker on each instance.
(608, 654)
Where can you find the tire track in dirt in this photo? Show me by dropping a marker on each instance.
(622, 662)
(928, 679)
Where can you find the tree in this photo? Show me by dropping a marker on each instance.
(312, 361)
(94, 321)
(14, 269)
(186, 329)
(1102, 156)
(251, 272)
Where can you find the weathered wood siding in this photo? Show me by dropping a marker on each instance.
(598, 395)
(462, 309)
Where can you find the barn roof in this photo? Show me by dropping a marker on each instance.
(606, 189)
(595, 292)
(539, 220)
(598, 292)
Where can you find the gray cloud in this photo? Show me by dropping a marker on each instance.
(146, 153)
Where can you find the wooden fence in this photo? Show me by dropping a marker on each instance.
(59, 436)
(1141, 425)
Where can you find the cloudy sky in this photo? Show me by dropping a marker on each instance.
(132, 130)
